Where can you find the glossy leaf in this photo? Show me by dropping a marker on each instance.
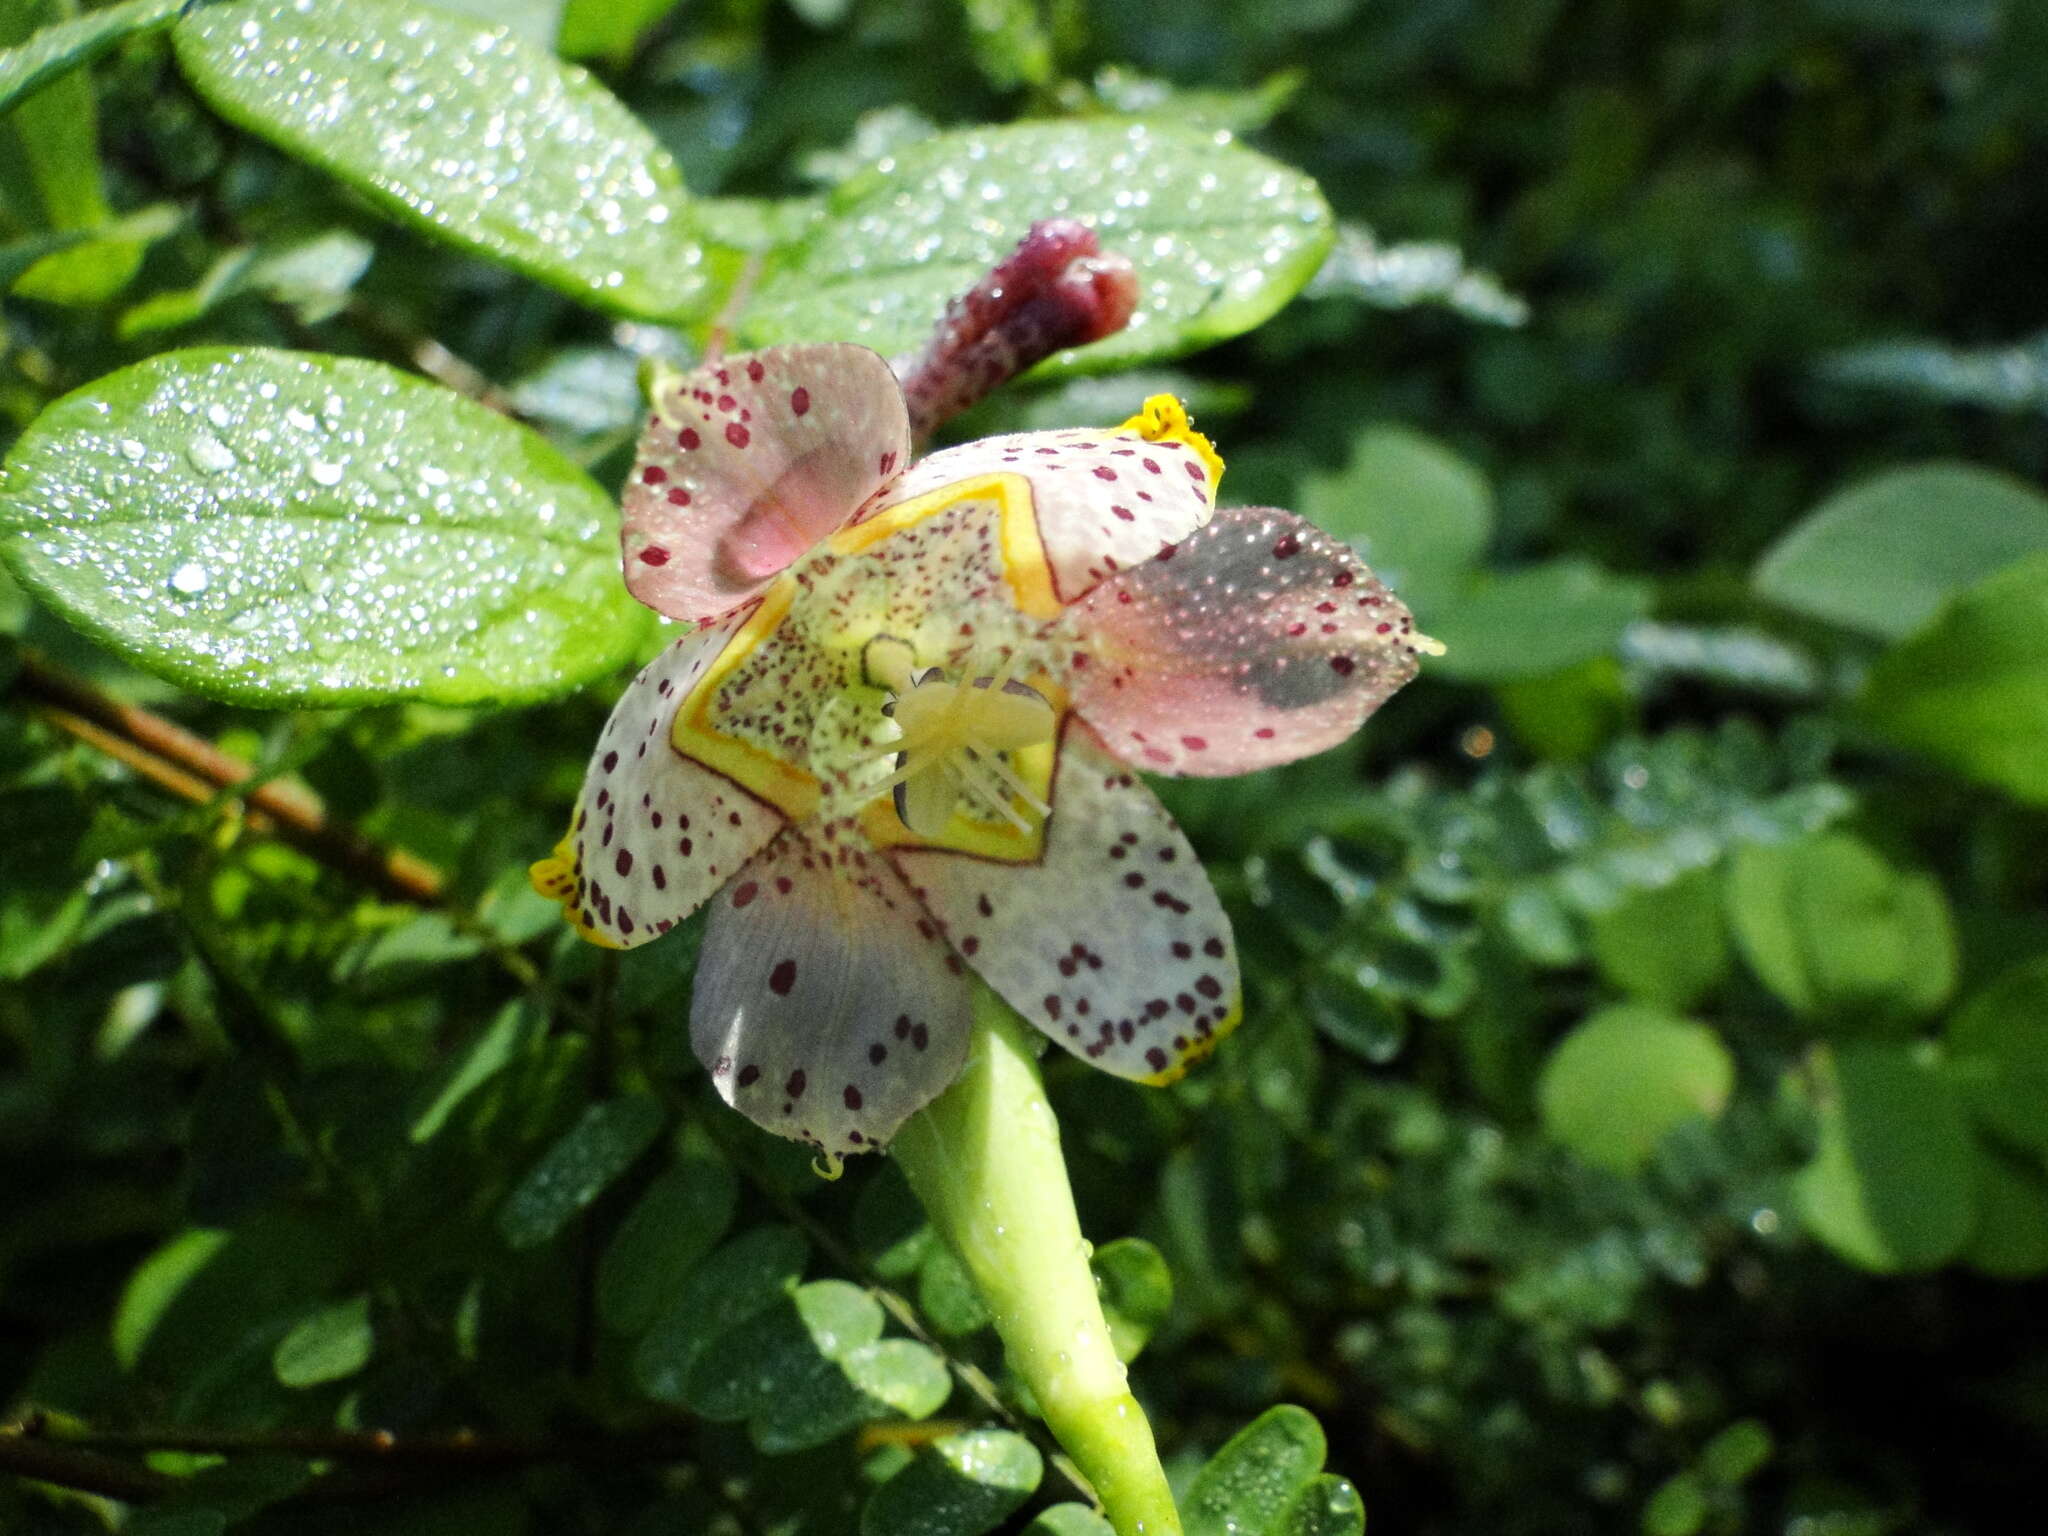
(744, 1277)
(291, 529)
(1892, 1185)
(331, 1345)
(1068, 1520)
(965, 1485)
(1137, 1292)
(1532, 621)
(466, 131)
(600, 1146)
(1834, 930)
(1883, 555)
(1970, 689)
(1622, 1081)
(1222, 236)
(1328, 1506)
(71, 44)
(668, 1232)
(1248, 1487)
(1998, 1041)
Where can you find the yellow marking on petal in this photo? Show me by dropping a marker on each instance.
(786, 787)
(1425, 646)
(555, 878)
(1165, 420)
(1198, 1050)
(1024, 563)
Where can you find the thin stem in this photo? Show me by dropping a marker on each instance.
(192, 768)
(985, 1160)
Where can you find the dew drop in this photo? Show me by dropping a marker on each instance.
(190, 578)
(209, 455)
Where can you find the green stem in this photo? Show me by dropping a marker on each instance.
(985, 1160)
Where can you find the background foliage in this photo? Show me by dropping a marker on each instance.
(1642, 1120)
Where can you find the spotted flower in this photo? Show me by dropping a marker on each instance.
(902, 743)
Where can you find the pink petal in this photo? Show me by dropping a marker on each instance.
(1112, 942)
(1257, 640)
(747, 463)
(825, 1007)
(655, 832)
(1102, 500)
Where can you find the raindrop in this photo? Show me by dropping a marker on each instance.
(190, 578)
(209, 455)
(325, 473)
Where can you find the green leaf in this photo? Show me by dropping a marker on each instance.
(465, 131)
(747, 1275)
(1068, 1520)
(156, 1283)
(508, 1033)
(964, 1485)
(606, 1141)
(1222, 237)
(1539, 619)
(1883, 555)
(674, 1225)
(1834, 930)
(1737, 1453)
(1622, 1081)
(1136, 1289)
(1248, 1487)
(1419, 514)
(1665, 944)
(70, 44)
(1328, 1506)
(281, 528)
(1998, 1041)
(607, 29)
(1892, 1185)
(331, 1345)
(946, 1295)
(903, 1375)
(2011, 1237)
(1970, 689)
(1678, 1507)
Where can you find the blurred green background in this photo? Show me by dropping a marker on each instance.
(1641, 1121)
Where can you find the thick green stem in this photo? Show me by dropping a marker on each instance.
(985, 1161)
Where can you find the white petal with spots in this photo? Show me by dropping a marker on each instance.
(1256, 640)
(1104, 500)
(748, 462)
(1113, 943)
(826, 1007)
(656, 833)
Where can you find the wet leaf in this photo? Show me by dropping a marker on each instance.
(466, 131)
(71, 44)
(1262, 1471)
(964, 1485)
(600, 1146)
(1222, 236)
(287, 528)
(674, 1225)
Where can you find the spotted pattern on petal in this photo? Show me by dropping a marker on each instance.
(826, 1007)
(655, 833)
(1258, 639)
(1113, 943)
(746, 463)
(1104, 500)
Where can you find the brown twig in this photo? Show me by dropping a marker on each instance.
(88, 1471)
(192, 768)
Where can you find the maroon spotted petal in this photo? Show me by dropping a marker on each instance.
(1256, 640)
(747, 463)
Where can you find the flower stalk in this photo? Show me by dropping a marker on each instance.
(984, 1159)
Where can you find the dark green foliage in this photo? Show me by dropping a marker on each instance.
(1639, 1118)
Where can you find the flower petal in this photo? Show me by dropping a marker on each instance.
(655, 832)
(1102, 500)
(826, 1006)
(1256, 640)
(1112, 942)
(748, 462)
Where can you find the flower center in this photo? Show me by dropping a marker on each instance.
(953, 741)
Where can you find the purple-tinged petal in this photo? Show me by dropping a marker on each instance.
(1256, 640)
(655, 832)
(747, 463)
(1112, 941)
(826, 1006)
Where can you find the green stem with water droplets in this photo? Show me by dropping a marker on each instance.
(984, 1159)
